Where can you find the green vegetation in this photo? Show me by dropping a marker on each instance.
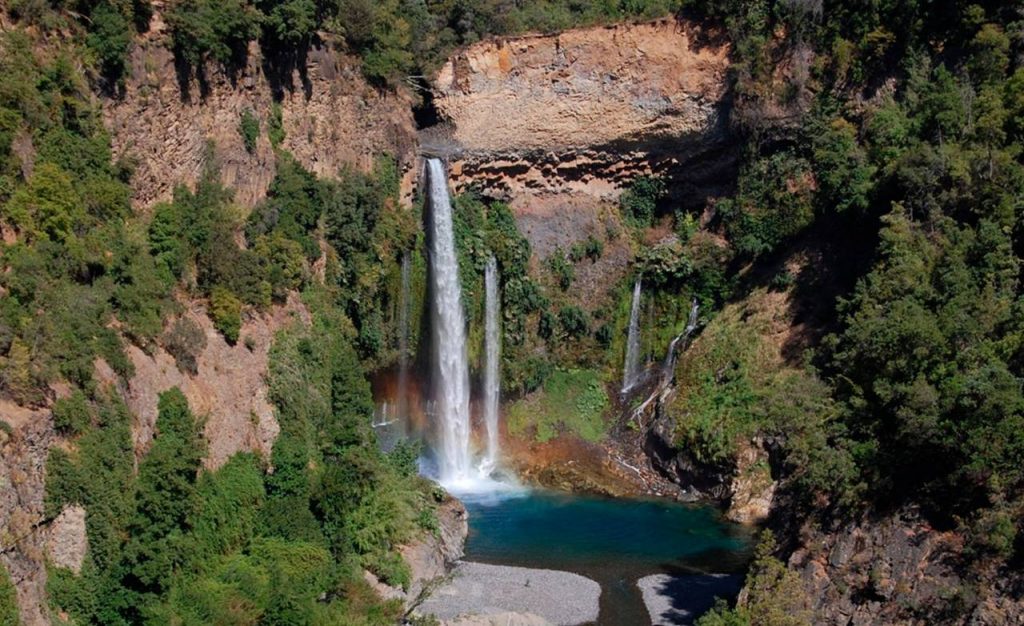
(249, 129)
(561, 269)
(172, 543)
(775, 595)
(275, 125)
(8, 601)
(395, 39)
(79, 259)
(639, 202)
(572, 401)
(914, 395)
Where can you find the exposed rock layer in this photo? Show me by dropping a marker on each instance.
(899, 570)
(586, 110)
(23, 453)
(331, 118)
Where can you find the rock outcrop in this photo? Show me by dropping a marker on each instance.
(228, 389)
(431, 557)
(165, 121)
(24, 446)
(66, 542)
(587, 110)
(899, 570)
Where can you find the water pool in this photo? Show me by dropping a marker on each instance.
(612, 541)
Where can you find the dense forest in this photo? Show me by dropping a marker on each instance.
(900, 156)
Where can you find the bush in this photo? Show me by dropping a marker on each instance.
(72, 415)
(184, 341)
(226, 311)
(573, 321)
(562, 271)
(275, 125)
(216, 30)
(249, 129)
(640, 200)
(8, 601)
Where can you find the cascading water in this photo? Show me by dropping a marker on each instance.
(492, 350)
(669, 366)
(631, 370)
(403, 345)
(451, 375)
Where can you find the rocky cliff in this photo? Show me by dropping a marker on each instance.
(166, 119)
(586, 111)
(897, 569)
(228, 389)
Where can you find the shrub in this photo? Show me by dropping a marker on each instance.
(226, 311)
(8, 601)
(275, 125)
(640, 200)
(249, 129)
(72, 415)
(185, 340)
(573, 321)
(561, 269)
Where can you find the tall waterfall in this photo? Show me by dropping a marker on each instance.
(403, 345)
(492, 349)
(631, 371)
(451, 375)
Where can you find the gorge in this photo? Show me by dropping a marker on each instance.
(538, 312)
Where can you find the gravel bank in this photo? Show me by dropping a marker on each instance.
(477, 589)
(679, 600)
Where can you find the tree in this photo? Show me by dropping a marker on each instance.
(166, 496)
(47, 206)
(226, 311)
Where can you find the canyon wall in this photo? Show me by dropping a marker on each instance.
(897, 569)
(587, 110)
(165, 119)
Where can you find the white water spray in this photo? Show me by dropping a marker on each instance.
(451, 374)
(631, 370)
(492, 374)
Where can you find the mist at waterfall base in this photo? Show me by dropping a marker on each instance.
(433, 397)
(438, 406)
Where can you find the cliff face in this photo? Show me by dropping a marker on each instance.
(331, 118)
(228, 391)
(898, 570)
(586, 110)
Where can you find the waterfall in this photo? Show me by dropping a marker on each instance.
(492, 349)
(451, 374)
(632, 367)
(669, 366)
(403, 345)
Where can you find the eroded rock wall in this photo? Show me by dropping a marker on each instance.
(23, 452)
(897, 569)
(164, 120)
(587, 110)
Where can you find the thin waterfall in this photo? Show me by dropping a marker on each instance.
(451, 375)
(492, 349)
(631, 370)
(403, 345)
(669, 365)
